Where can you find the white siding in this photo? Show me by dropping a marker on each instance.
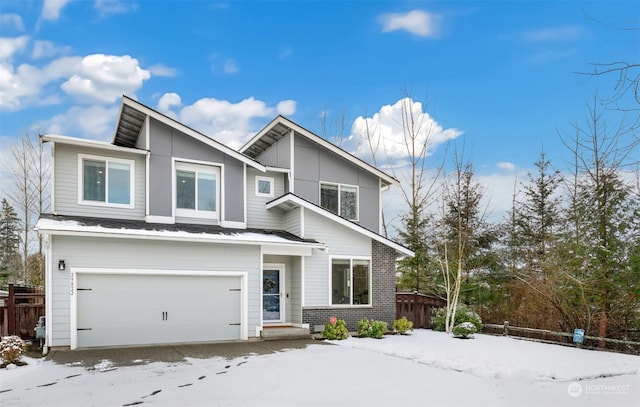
(141, 254)
(66, 180)
(257, 214)
(340, 241)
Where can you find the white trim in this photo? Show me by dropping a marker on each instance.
(302, 281)
(322, 142)
(188, 131)
(48, 297)
(71, 228)
(302, 222)
(132, 178)
(233, 224)
(74, 271)
(340, 185)
(283, 285)
(362, 230)
(52, 197)
(330, 277)
(244, 194)
(169, 220)
(292, 157)
(147, 165)
(278, 169)
(287, 251)
(271, 182)
(217, 169)
(75, 141)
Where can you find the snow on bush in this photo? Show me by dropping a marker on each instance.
(464, 330)
(11, 349)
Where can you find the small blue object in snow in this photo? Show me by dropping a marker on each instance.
(578, 335)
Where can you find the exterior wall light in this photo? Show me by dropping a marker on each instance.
(61, 265)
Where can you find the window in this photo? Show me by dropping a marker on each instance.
(264, 186)
(106, 181)
(197, 190)
(340, 199)
(350, 282)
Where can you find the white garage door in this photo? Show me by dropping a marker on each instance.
(117, 309)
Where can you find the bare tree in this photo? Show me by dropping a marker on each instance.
(29, 169)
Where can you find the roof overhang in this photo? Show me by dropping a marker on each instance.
(133, 115)
(80, 142)
(281, 126)
(273, 243)
(290, 201)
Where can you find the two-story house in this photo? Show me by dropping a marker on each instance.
(165, 235)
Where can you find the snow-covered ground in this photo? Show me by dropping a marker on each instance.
(426, 368)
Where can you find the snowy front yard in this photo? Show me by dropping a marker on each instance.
(426, 368)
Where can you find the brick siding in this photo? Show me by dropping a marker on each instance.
(383, 308)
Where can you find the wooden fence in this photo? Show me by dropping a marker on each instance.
(564, 338)
(20, 309)
(418, 308)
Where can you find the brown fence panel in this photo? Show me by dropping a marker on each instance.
(418, 308)
(20, 311)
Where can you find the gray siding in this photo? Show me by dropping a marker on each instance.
(341, 241)
(257, 214)
(166, 143)
(141, 254)
(314, 164)
(291, 221)
(278, 155)
(66, 179)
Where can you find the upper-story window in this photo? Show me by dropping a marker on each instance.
(106, 181)
(340, 199)
(264, 186)
(197, 190)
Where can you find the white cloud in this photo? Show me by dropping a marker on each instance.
(95, 78)
(506, 166)
(47, 49)
(9, 46)
(162, 70)
(286, 107)
(227, 122)
(94, 122)
(104, 78)
(51, 9)
(386, 130)
(106, 7)
(285, 52)
(416, 22)
(167, 101)
(11, 20)
(553, 34)
(230, 67)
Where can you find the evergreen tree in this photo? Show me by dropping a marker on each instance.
(9, 242)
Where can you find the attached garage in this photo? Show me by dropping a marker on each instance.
(142, 307)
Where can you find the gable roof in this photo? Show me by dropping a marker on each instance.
(291, 201)
(280, 127)
(132, 116)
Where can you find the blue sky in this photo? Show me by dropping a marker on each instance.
(501, 76)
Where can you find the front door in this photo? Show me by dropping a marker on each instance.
(272, 294)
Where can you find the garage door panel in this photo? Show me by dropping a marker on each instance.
(121, 309)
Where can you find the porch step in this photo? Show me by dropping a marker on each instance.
(284, 332)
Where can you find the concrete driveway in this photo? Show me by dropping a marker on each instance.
(130, 356)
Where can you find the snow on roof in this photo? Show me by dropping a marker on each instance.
(73, 225)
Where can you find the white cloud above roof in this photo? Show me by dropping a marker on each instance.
(9, 46)
(104, 78)
(386, 131)
(417, 22)
(227, 122)
(106, 7)
(95, 122)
